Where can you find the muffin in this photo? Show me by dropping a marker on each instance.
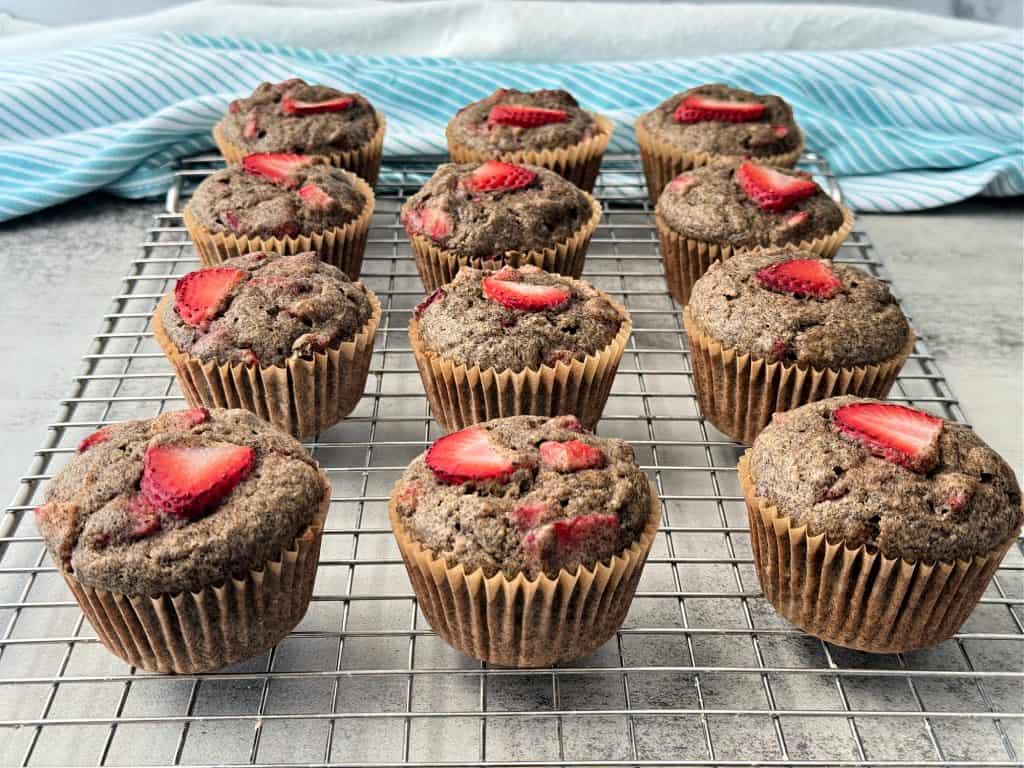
(545, 128)
(876, 526)
(191, 540)
(283, 203)
(484, 215)
(712, 212)
(524, 537)
(715, 124)
(517, 341)
(286, 337)
(296, 117)
(775, 329)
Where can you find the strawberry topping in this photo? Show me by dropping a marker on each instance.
(144, 518)
(773, 190)
(571, 456)
(496, 176)
(780, 130)
(277, 167)
(525, 117)
(698, 109)
(314, 196)
(198, 295)
(896, 433)
(467, 455)
(101, 435)
(506, 288)
(430, 222)
(529, 516)
(186, 481)
(681, 184)
(572, 540)
(435, 296)
(292, 106)
(252, 126)
(803, 278)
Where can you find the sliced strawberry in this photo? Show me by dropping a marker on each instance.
(198, 295)
(101, 435)
(145, 520)
(314, 196)
(292, 106)
(571, 456)
(277, 167)
(506, 287)
(525, 117)
(431, 222)
(773, 190)
(698, 109)
(780, 130)
(496, 176)
(681, 184)
(252, 126)
(896, 433)
(566, 543)
(467, 455)
(529, 516)
(187, 481)
(437, 295)
(803, 278)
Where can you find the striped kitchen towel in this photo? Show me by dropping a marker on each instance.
(904, 129)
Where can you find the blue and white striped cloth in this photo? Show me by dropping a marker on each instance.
(905, 129)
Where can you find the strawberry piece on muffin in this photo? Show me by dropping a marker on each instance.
(773, 190)
(525, 117)
(498, 176)
(803, 278)
(467, 455)
(698, 108)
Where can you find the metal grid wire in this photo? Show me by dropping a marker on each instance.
(702, 674)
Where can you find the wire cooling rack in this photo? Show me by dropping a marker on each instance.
(702, 674)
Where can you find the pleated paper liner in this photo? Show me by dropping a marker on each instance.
(302, 397)
(579, 163)
(191, 632)
(460, 396)
(342, 247)
(739, 392)
(663, 161)
(687, 259)
(363, 161)
(856, 597)
(438, 266)
(522, 623)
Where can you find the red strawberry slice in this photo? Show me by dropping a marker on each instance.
(566, 543)
(467, 455)
(525, 117)
(773, 190)
(698, 109)
(252, 126)
(571, 456)
(780, 131)
(803, 278)
(431, 222)
(277, 167)
(198, 295)
(896, 433)
(437, 295)
(101, 435)
(496, 176)
(314, 196)
(292, 106)
(506, 288)
(529, 516)
(186, 481)
(681, 184)
(145, 520)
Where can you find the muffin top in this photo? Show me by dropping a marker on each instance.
(295, 116)
(896, 479)
(790, 306)
(525, 494)
(720, 120)
(277, 196)
(748, 206)
(483, 210)
(262, 308)
(178, 502)
(515, 319)
(510, 121)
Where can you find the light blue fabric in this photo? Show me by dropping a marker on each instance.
(905, 129)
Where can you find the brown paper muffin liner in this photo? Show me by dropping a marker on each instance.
(663, 161)
(522, 623)
(438, 266)
(302, 397)
(859, 598)
(460, 396)
(343, 246)
(579, 163)
(191, 632)
(739, 392)
(686, 259)
(363, 161)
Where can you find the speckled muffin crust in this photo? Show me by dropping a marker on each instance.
(485, 225)
(470, 125)
(91, 518)
(281, 306)
(860, 325)
(539, 519)
(235, 202)
(460, 323)
(967, 504)
(259, 124)
(714, 208)
(773, 133)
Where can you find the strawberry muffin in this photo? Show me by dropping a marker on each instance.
(525, 537)
(296, 117)
(484, 215)
(190, 540)
(876, 526)
(517, 341)
(715, 124)
(283, 203)
(286, 337)
(775, 329)
(545, 128)
(712, 212)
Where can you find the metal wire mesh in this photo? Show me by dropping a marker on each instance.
(702, 674)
